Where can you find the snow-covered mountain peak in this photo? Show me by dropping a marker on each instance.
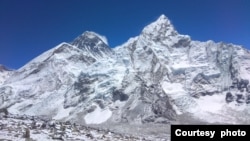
(163, 19)
(162, 26)
(93, 43)
(91, 34)
(163, 33)
(89, 38)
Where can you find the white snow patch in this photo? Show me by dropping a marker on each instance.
(185, 64)
(173, 89)
(212, 109)
(212, 103)
(62, 113)
(98, 116)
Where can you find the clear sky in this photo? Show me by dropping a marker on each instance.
(30, 27)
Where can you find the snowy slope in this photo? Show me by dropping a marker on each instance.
(38, 87)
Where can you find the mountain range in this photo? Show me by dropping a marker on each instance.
(157, 77)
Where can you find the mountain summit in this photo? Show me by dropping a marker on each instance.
(158, 77)
(161, 27)
(93, 43)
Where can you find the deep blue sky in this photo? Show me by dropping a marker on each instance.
(30, 27)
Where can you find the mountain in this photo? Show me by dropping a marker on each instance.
(157, 77)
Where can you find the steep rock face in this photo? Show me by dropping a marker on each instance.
(152, 78)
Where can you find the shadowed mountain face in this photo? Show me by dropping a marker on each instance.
(157, 77)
